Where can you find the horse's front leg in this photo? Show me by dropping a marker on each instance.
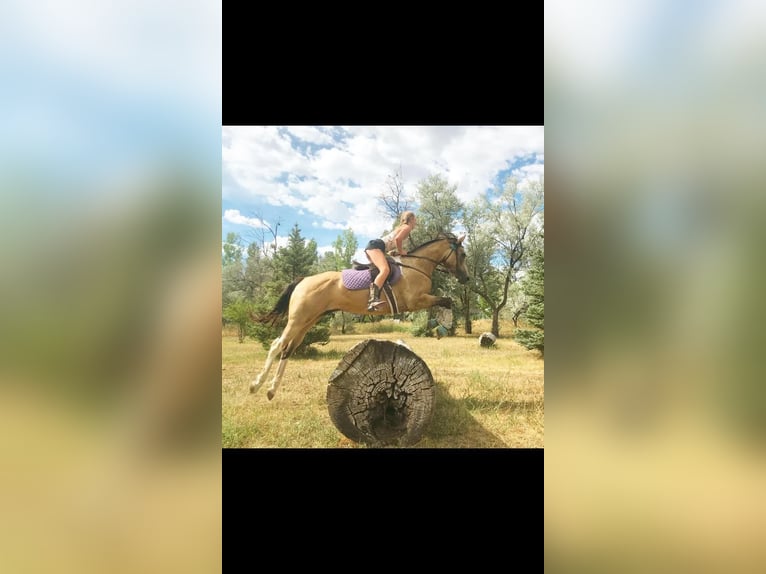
(443, 302)
(427, 300)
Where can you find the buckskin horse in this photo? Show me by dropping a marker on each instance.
(308, 298)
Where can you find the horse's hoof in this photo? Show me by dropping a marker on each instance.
(270, 395)
(253, 387)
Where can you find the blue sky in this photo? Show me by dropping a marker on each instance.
(101, 93)
(327, 178)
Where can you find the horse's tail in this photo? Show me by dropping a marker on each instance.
(282, 306)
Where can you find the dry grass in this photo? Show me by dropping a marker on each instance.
(485, 397)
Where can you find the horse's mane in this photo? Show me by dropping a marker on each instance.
(441, 237)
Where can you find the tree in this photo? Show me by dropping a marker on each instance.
(232, 276)
(514, 219)
(344, 247)
(439, 211)
(232, 251)
(266, 235)
(533, 288)
(393, 200)
(517, 303)
(240, 313)
(296, 259)
(259, 272)
(480, 249)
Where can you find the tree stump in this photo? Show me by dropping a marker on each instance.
(381, 393)
(487, 339)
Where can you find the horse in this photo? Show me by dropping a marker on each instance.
(306, 299)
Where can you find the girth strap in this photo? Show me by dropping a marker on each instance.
(391, 298)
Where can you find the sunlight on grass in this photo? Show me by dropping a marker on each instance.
(485, 397)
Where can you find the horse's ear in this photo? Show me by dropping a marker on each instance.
(460, 239)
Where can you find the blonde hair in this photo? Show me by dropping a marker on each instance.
(388, 238)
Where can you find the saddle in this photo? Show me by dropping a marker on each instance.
(364, 266)
(361, 275)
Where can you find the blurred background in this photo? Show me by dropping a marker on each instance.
(110, 286)
(656, 398)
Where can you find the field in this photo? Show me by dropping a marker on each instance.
(485, 397)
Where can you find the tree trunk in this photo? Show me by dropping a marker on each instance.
(467, 322)
(517, 313)
(496, 322)
(467, 311)
(381, 393)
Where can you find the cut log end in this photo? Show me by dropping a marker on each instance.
(381, 394)
(487, 339)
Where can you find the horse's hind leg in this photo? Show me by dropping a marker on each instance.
(276, 348)
(277, 378)
(291, 340)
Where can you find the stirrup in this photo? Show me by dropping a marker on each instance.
(374, 299)
(373, 304)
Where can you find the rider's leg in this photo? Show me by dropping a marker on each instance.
(378, 258)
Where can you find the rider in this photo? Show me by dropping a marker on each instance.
(376, 252)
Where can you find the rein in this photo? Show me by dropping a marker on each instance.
(434, 261)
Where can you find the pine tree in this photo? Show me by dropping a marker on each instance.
(533, 287)
(296, 259)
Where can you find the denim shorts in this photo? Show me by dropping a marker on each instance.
(376, 244)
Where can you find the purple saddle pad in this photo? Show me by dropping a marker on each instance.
(355, 280)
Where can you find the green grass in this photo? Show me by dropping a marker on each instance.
(485, 397)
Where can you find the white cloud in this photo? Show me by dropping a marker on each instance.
(133, 49)
(329, 225)
(310, 134)
(338, 187)
(593, 39)
(529, 174)
(234, 216)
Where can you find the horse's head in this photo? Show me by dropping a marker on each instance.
(454, 261)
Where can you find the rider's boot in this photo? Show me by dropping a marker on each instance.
(374, 300)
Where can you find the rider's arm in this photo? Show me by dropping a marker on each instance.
(404, 232)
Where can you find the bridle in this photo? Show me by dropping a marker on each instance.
(452, 249)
